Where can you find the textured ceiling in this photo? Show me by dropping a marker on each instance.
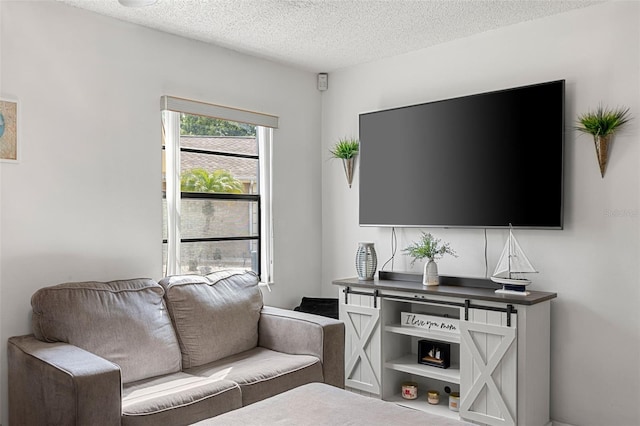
(325, 35)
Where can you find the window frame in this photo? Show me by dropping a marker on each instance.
(171, 108)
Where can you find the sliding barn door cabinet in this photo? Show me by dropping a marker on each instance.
(492, 349)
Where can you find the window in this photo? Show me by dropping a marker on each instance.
(216, 188)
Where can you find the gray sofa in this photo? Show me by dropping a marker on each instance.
(137, 352)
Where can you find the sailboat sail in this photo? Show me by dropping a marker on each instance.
(513, 263)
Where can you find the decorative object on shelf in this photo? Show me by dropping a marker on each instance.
(409, 390)
(511, 267)
(433, 397)
(8, 130)
(366, 261)
(430, 322)
(602, 125)
(430, 248)
(454, 401)
(434, 353)
(347, 150)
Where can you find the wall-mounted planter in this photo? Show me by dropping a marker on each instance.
(347, 150)
(602, 124)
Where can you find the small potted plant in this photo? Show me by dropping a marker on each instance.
(430, 248)
(602, 124)
(346, 149)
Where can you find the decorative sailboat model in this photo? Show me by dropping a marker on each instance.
(512, 266)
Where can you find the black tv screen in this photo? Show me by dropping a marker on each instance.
(482, 161)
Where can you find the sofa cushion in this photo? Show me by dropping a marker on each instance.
(177, 399)
(215, 315)
(125, 322)
(262, 373)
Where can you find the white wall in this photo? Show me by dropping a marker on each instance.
(593, 263)
(84, 203)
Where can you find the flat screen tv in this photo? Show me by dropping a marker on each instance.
(488, 160)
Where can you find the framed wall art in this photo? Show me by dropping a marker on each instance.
(9, 148)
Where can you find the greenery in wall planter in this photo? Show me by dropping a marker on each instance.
(602, 125)
(432, 248)
(347, 149)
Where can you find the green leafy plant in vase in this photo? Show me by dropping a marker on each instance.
(602, 125)
(433, 249)
(347, 149)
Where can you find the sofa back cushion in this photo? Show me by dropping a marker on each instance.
(215, 315)
(125, 322)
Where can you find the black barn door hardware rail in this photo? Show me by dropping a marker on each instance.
(509, 309)
(347, 291)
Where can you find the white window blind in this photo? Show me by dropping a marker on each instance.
(170, 103)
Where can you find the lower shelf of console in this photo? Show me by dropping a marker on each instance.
(421, 404)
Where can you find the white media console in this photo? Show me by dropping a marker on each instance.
(498, 346)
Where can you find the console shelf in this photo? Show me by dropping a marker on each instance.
(408, 364)
(420, 403)
(411, 331)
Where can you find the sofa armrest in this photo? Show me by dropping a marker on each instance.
(61, 384)
(294, 332)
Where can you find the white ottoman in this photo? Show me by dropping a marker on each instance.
(318, 404)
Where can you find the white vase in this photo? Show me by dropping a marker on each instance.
(430, 276)
(366, 261)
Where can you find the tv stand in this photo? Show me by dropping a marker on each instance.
(499, 350)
